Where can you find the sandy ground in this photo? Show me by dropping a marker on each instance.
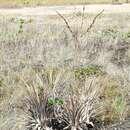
(51, 10)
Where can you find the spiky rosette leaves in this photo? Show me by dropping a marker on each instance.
(37, 111)
(80, 108)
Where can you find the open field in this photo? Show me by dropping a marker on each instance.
(20, 3)
(41, 56)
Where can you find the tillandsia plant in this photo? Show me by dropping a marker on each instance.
(79, 109)
(37, 111)
(42, 103)
(75, 114)
(44, 110)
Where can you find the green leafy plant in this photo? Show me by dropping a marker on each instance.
(81, 73)
(21, 24)
(55, 101)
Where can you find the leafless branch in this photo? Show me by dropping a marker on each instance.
(94, 20)
(66, 22)
(82, 22)
(74, 34)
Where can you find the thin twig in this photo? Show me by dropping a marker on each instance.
(66, 22)
(94, 20)
(74, 34)
(82, 22)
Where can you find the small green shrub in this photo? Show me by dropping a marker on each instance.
(21, 24)
(81, 73)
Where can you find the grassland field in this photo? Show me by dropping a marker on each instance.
(56, 62)
(34, 46)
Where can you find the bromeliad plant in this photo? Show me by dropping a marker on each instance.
(40, 104)
(78, 110)
(76, 114)
(37, 111)
(43, 111)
